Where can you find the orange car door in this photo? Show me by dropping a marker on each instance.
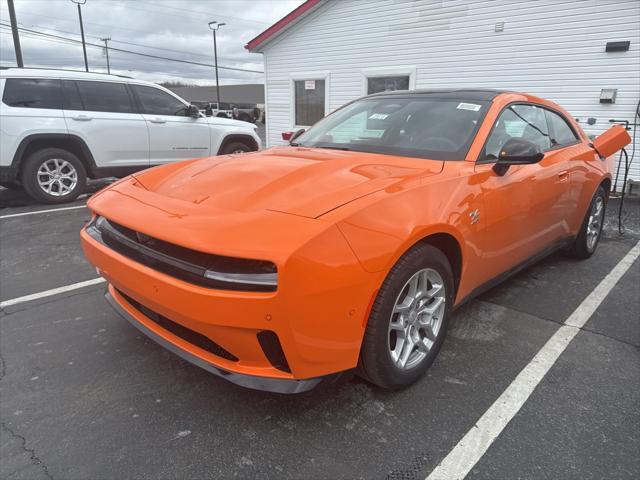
(524, 209)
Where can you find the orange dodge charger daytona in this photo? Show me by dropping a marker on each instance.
(351, 247)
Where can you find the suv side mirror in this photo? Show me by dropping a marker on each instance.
(517, 151)
(193, 111)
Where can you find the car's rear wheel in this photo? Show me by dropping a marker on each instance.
(587, 240)
(53, 175)
(408, 319)
(236, 147)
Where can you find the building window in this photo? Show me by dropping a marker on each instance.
(387, 84)
(309, 101)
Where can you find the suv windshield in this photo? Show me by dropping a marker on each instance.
(412, 126)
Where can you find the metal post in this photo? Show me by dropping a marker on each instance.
(106, 49)
(215, 55)
(84, 46)
(16, 37)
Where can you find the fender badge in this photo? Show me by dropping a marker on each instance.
(475, 216)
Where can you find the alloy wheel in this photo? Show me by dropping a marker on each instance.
(57, 177)
(594, 224)
(416, 318)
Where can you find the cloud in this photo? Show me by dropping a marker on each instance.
(168, 28)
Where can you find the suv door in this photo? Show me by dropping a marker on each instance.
(103, 115)
(526, 209)
(173, 133)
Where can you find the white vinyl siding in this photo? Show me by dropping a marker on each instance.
(551, 48)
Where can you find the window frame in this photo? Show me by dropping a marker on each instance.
(296, 77)
(400, 71)
(481, 161)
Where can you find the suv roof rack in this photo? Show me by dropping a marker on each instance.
(63, 70)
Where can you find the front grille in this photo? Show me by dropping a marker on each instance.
(179, 262)
(181, 331)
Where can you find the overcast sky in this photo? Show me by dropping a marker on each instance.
(168, 28)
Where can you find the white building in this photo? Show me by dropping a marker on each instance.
(328, 52)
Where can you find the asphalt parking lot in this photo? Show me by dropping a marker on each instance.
(85, 395)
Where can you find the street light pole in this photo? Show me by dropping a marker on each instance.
(16, 36)
(84, 46)
(214, 26)
(106, 49)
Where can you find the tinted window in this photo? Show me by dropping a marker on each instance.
(518, 121)
(105, 97)
(561, 132)
(387, 84)
(156, 102)
(309, 101)
(72, 100)
(32, 93)
(414, 126)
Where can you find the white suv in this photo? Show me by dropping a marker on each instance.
(59, 127)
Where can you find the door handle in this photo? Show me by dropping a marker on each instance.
(157, 120)
(81, 118)
(563, 175)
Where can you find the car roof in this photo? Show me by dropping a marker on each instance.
(12, 72)
(480, 94)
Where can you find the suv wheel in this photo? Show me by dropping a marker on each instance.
(408, 320)
(53, 175)
(236, 147)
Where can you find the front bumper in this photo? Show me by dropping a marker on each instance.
(276, 385)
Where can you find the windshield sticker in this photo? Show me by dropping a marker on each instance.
(474, 107)
(378, 116)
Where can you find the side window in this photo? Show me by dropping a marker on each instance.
(105, 97)
(32, 93)
(156, 102)
(387, 84)
(518, 121)
(72, 100)
(309, 101)
(561, 132)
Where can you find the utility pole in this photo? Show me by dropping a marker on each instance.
(16, 36)
(84, 46)
(106, 50)
(214, 26)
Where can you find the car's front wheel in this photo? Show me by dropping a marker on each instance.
(236, 147)
(53, 175)
(408, 320)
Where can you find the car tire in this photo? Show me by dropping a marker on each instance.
(391, 321)
(53, 175)
(236, 147)
(586, 242)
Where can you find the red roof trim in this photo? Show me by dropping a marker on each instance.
(281, 24)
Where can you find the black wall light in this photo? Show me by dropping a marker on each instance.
(618, 46)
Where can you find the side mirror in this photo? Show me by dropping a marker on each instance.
(291, 136)
(611, 141)
(193, 111)
(517, 151)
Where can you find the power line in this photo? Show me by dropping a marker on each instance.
(131, 52)
(200, 12)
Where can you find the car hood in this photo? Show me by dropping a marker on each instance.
(294, 180)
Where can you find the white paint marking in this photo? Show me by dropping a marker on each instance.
(53, 291)
(12, 215)
(459, 462)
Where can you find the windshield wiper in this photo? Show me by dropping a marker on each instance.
(345, 149)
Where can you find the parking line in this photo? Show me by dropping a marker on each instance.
(53, 291)
(462, 458)
(42, 211)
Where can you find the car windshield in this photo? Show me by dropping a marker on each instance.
(412, 126)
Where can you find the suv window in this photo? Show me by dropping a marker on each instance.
(518, 121)
(105, 97)
(561, 133)
(156, 102)
(32, 93)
